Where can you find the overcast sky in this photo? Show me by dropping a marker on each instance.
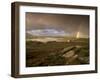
(56, 24)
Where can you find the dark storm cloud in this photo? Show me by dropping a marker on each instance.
(70, 24)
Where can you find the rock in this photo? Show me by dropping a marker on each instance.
(69, 54)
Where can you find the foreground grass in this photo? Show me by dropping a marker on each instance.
(52, 53)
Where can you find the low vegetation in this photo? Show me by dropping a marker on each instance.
(54, 53)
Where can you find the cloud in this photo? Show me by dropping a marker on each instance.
(47, 32)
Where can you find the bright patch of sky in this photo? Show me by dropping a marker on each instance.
(47, 32)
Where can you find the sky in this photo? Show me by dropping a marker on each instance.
(47, 24)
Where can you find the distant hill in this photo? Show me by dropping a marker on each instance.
(28, 36)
